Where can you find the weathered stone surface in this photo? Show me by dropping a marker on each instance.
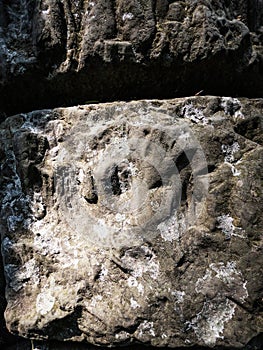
(65, 52)
(137, 221)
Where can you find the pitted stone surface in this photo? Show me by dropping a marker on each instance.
(126, 222)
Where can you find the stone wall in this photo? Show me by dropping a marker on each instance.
(135, 223)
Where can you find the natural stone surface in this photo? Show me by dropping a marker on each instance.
(135, 222)
(65, 52)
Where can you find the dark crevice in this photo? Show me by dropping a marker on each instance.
(97, 275)
(181, 261)
(92, 196)
(115, 182)
(185, 185)
(211, 168)
(184, 159)
(105, 82)
(156, 184)
(21, 344)
(129, 329)
(93, 199)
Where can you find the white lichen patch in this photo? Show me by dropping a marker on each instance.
(220, 271)
(120, 217)
(134, 304)
(127, 16)
(54, 297)
(122, 335)
(149, 264)
(45, 13)
(209, 323)
(152, 267)
(172, 228)
(95, 300)
(239, 115)
(18, 277)
(14, 203)
(235, 171)
(7, 245)
(194, 114)
(126, 171)
(179, 296)
(229, 151)
(233, 107)
(103, 273)
(140, 288)
(44, 242)
(13, 222)
(29, 126)
(145, 328)
(245, 296)
(225, 223)
(229, 275)
(133, 282)
(45, 302)
(37, 206)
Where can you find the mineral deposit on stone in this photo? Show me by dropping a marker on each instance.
(134, 222)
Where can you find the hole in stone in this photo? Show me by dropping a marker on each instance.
(34, 178)
(182, 161)
(184, 189)
(181, 261)
(211, 168)
(91, 196)
(146, 132)
(93, 199)
(115, 182)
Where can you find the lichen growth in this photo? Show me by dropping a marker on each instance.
(194, 114)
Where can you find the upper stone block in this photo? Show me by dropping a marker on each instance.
(62, 52)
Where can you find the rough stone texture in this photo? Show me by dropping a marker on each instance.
(135, 222)
(65, 52)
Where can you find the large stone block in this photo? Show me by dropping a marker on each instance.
(134, 222)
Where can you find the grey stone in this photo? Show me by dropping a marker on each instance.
(134, 222)
(63, 52)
